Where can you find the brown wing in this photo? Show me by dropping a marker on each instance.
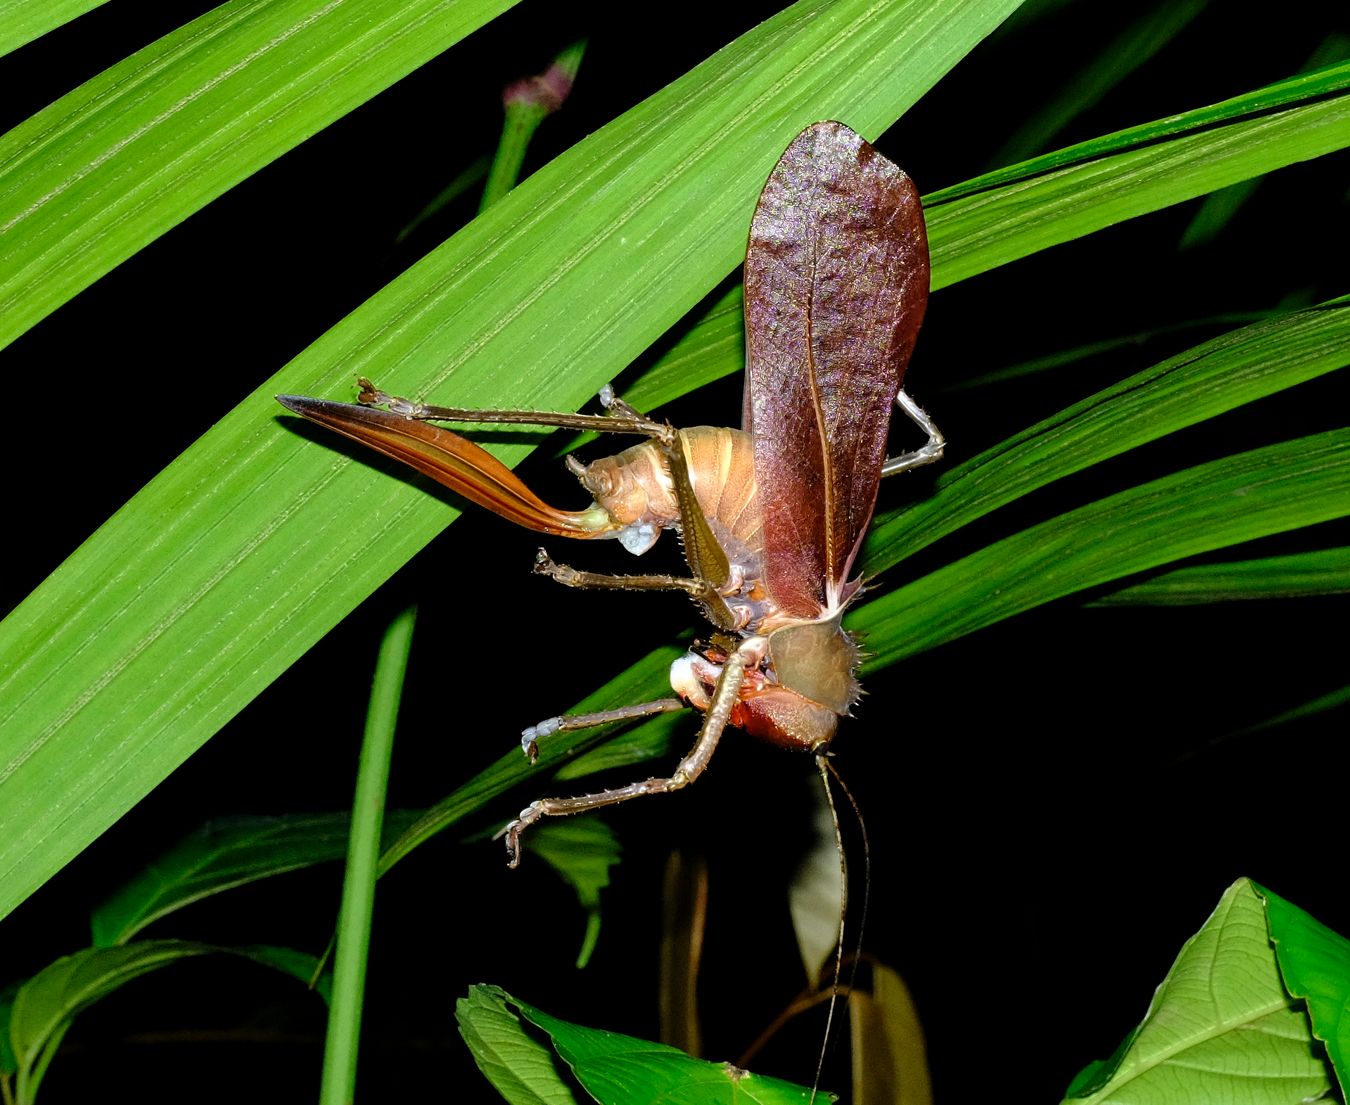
(454, 461)
(836, 281)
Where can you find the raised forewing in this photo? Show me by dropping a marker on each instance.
(836, 281)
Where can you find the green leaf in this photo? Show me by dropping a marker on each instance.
(611, 1067)
(1220, 1027)
(1111, 63)
(301, 966)
(219, 856)
(24, 20)
(581, 851)
(352, 942)
(1333, 700)
(1315, 964)
(1218, 376)
(134, 151)
(1298, 575)
(520, 1068)
(1304, 88)
(1240, 498)
(9, 1062)
(973, 234)
(713, 346)
(47, 1003)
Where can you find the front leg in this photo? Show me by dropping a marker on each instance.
(700, 590)
(690, 768)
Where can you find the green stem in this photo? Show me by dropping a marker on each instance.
(358, 887)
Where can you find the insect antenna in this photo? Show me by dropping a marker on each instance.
(827, 771)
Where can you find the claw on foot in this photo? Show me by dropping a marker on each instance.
(529, 738)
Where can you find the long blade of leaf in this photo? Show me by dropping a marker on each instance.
(24, 20)
(1234, 499)
(1217, 376)
(109, 167)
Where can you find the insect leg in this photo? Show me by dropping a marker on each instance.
(690, 768)
(629, 422)
(930, 451)
(700, 589)
(569, 722)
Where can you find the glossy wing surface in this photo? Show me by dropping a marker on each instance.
(451, 460)
(836, 281)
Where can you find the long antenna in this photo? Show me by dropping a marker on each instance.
(822, 765)
(867, 869)
(827, 771)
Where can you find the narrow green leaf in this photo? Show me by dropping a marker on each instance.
(976, 233)
(1218, 376)
(219, 856)
(623, 1070)
(713, 347)
(528, 103)
(1220, 1028)
(1315, 964)
(1113, 61)
(47, 1003)
(1234, 499)
(1333, 700)
(521, 1069)
(1299, 575)
(341, 1046)
(109, 167)
(9, 1063)
(301, 966)
(233, 562)
(581, 851)
(634, 685)
(1304, 88)
(24, 20)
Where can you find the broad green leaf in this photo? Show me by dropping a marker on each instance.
(582, 851)
(24, 20)
(234, 561)
(521, 1069)
(220, 856)
(622, 1070)
(134, 151)
(1234, 499)
(1315, 965)
(1221, 1026)
(1298, 575)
